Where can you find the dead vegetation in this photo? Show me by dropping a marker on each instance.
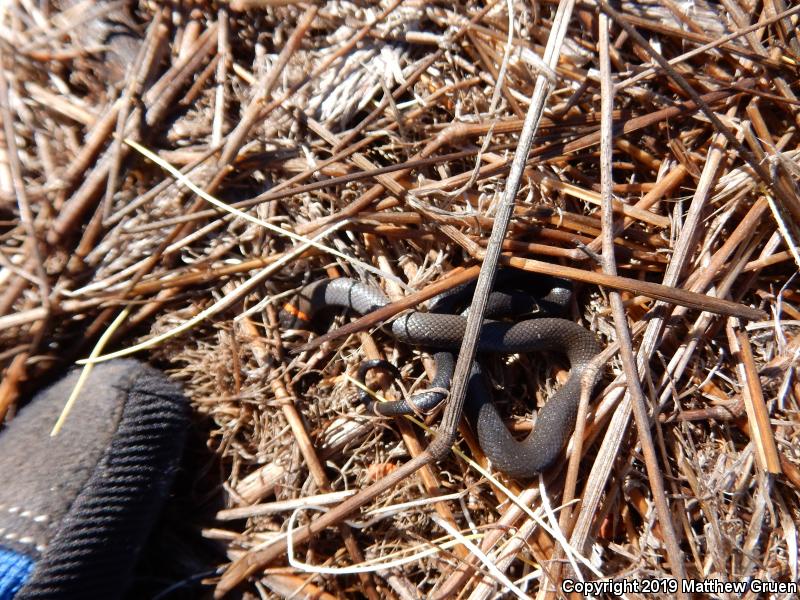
(385, 134)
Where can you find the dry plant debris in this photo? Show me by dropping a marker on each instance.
(385, 131)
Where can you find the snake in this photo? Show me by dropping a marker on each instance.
(442, 331)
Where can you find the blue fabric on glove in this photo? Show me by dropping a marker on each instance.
(14, 570)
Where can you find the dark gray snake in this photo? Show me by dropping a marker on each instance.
(443, 332)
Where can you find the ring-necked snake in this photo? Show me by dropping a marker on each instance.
(442, 331)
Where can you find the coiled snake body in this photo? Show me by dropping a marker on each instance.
(444, 332)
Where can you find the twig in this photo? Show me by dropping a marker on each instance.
(757, 412)
(638, 401)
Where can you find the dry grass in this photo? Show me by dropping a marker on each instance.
(386, 133)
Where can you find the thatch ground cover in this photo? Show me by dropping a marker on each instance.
(385, 133)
